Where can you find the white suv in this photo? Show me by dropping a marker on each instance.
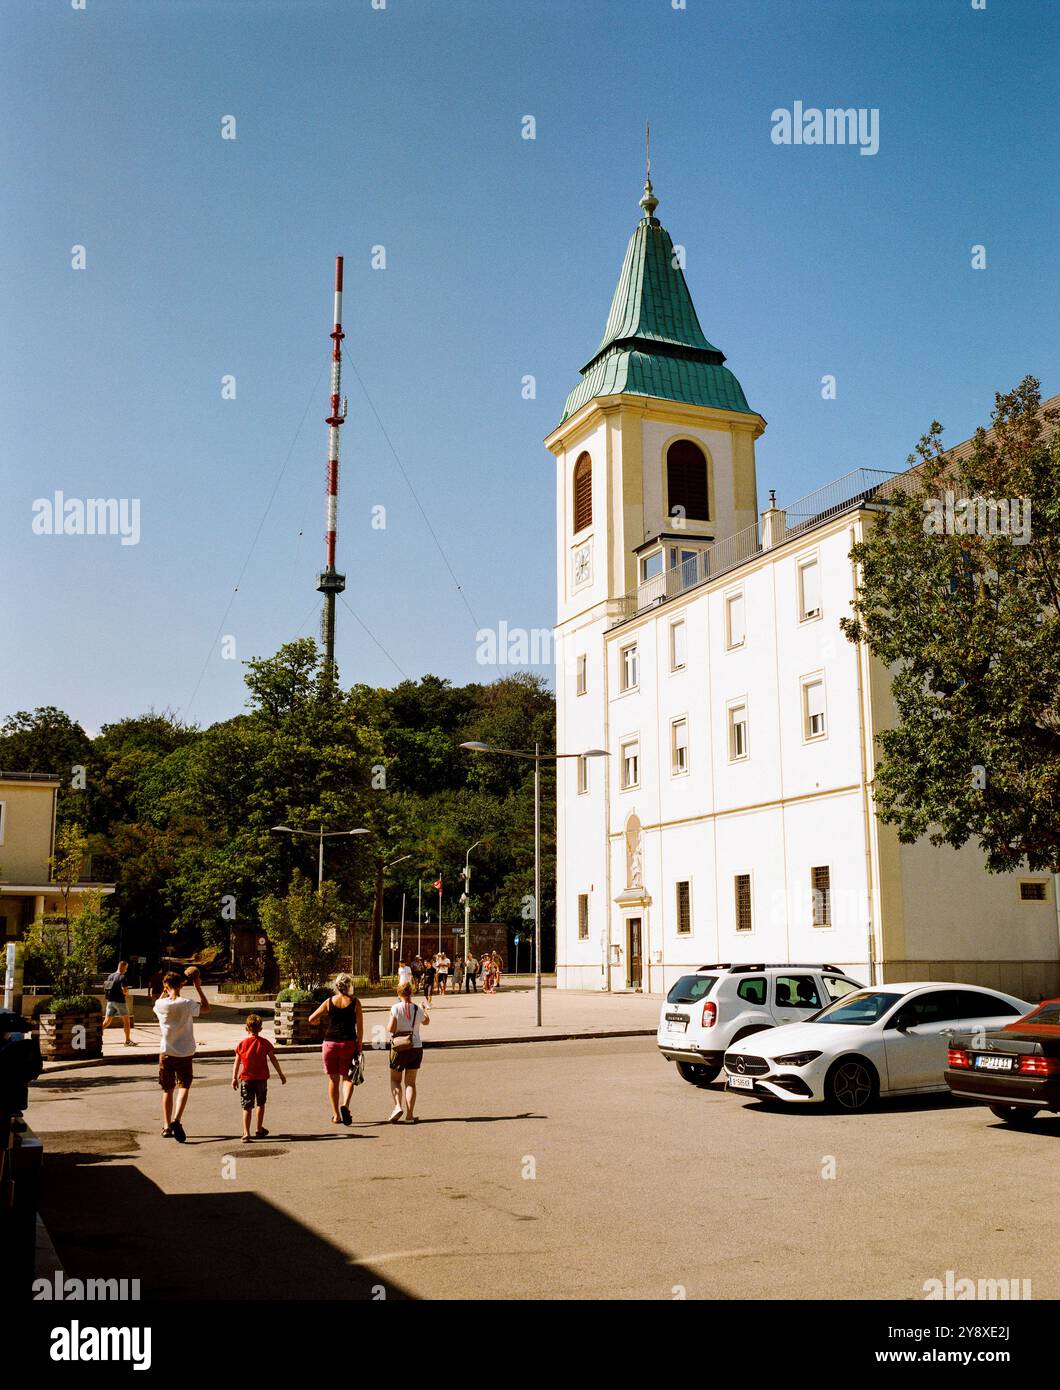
(707, 1012)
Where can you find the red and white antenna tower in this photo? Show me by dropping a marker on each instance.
(329, 581)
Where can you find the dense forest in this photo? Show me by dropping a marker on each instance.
(182, 818)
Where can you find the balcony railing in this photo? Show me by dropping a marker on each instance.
(859, 486)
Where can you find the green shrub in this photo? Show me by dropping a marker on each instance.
(294, 995)
(71, 1004)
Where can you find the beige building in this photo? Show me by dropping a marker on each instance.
(27, 843)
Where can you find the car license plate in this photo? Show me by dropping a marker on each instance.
(677, 1023)
(742, 1083)
(994, 1063)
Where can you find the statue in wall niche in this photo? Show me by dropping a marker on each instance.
(634, 853)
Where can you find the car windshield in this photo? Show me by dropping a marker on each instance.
(691, 988)
(865, 1007)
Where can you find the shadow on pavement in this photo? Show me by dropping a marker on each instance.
(107, 1220)
(455, 1120)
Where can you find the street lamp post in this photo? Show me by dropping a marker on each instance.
(467, 900)
(382, 868)
(321, 835)
(537, 757)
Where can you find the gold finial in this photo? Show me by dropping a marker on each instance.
(649, 202)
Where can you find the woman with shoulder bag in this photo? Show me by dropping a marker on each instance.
(341, 1050)
(406, 1052)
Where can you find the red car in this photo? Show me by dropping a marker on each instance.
(1015, 1070)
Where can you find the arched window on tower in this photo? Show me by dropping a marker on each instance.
(583, 493)
(686, 482)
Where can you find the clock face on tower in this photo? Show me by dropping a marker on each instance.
(582, 565)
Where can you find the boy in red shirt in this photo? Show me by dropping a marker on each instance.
(250, 1075)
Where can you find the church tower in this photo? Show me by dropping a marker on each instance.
(655, 462)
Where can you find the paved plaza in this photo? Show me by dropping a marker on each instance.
(561, 1170)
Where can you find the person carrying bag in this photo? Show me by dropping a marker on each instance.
(406, 1052)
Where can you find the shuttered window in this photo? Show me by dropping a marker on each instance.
(686, 482)
(743, 902)
(583, 493)
(583, 916)
(821, 881)
(813, 696)
(684, 909)
(809, 590)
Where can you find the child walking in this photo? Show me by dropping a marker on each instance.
(250, 1075)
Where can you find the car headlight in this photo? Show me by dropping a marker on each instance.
(797, 1059)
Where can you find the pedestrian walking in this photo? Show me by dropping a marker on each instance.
(443, 972)
(471, 975)
(176, 1019)
(404, 973)
(343, 1038)
(116, 993)
(458, 974)
(430, 970)
(406, 1053)
(497, 972)
(250, 1075)
(417, 972)
(487, 973)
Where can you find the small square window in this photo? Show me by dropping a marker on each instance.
(737, 732)
(630, 667)
(677, 645)
(583, 916)
(631, 764)
(678, 747)
(582, 674)
(684, 908)
(1032, 892)
(735, 629)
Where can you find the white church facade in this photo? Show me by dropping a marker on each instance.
(698, 642)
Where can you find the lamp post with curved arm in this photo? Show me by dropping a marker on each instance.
(537, 758)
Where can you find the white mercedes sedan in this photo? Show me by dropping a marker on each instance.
(887, 1041)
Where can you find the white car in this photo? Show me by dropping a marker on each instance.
(886, 1041)
(705, 1013)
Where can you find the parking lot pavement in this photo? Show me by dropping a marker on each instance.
(561, 1170)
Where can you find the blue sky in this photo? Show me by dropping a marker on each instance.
(401, 127)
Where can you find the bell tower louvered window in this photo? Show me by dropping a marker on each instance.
(583, 493)
(686, 482)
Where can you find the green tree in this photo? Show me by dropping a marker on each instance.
(969, 625)
(68, 949)
(305, 926)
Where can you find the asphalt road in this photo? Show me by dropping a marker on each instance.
(552, 1170)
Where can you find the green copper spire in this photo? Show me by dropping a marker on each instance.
(653, 344)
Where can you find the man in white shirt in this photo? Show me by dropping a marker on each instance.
(176, 1018)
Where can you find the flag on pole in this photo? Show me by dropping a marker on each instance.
(438, 883)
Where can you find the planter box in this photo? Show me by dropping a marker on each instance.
(291, 1022)
(68, 1037)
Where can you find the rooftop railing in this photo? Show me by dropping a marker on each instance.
(859, 486)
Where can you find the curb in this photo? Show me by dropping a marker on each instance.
(304, 1049)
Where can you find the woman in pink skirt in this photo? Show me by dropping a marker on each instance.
(343, 1039)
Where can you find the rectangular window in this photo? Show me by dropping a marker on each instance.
(813, 709)
(3, 820)
(679, 746)
(583, 774)
(737, 732)
(651, 565)
(583, 916)
(821, 885)
(630, 668)
(631, 764)
(1032, 892)
(677, 645)
(743, 902)
(582, 674)
(684, 909)
(734, 621)
(809, 590)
